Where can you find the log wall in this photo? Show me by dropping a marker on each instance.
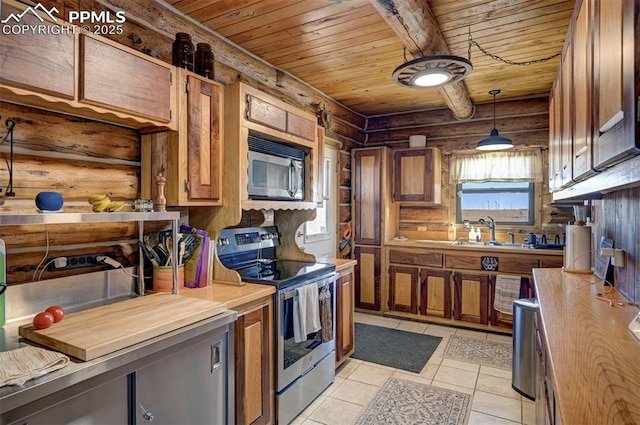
(525, 121)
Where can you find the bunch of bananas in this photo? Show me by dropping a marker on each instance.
(103, 203)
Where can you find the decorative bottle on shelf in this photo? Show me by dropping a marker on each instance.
(204, 61)
(183, 51)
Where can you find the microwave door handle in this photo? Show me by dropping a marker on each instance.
(293, 187)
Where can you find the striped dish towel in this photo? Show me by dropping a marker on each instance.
(507, 290)
(25, 363)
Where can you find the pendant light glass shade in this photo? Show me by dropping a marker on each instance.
(494, 142)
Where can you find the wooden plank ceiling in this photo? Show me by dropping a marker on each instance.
(346, 49)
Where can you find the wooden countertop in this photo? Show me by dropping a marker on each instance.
(232, 295)
(594, 358)
(340, 263)
(471, 246)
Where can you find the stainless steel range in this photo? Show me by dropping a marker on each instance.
(305, 301)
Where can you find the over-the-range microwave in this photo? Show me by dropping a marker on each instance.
(276, 171)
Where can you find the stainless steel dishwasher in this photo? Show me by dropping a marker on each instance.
(523, 376)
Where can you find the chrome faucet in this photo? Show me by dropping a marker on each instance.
(491, 224)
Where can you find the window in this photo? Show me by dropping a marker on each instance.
(318, 229)
(505, 202)
(497, 184)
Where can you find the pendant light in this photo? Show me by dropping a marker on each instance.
(494, 142)
(432, 71)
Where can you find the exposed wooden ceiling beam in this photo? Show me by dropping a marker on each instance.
(416, 26)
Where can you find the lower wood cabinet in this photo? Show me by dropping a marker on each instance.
(403, 289)
(345, 337)
(368, 277)
(498, 318)
(471, 297)
(435, 293)
(254, 383)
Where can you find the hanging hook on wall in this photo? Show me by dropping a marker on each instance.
(10, 124)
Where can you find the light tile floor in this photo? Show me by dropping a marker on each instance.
(494, 402)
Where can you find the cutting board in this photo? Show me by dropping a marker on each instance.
(102, 330)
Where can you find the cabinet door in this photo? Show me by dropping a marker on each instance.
(582, 93)
(204, 103)
(253, 366)
(471, 297)
(615, 60)
(262, 112)
(344, 317)
(555, 138)
(301, 127)
(367, 185)
(106, 404)
(502, 319)
(114, 78)
(417, 175)
(368, 277)
(567, 117)
(435, 293)
(403, 289)
(38, 61)
(188, 387)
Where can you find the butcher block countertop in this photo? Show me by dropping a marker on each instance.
(340, 263)
(232, 296)
(471, 246)
(594, 358)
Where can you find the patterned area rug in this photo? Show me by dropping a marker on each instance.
(405, 402)
(472, 350)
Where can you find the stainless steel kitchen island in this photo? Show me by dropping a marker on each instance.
(121, 382)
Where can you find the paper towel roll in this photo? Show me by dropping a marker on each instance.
(576, 253)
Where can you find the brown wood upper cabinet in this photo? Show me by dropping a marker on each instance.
(417, 175)
(99, 79)
(116, 78)
(48, 64)
(191, 158)
(263, 112)
(616, 59)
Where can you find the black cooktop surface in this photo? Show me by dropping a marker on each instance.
(284, 273)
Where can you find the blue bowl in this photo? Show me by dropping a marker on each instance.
(49, 201)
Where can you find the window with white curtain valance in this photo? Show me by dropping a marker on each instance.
(525, 165)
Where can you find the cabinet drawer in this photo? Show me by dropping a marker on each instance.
(517, 264)
(555, 263)
(263, 112)
(466, 262)
(415, 258)
(301, 127)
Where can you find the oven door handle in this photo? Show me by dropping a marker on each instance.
(292, 293)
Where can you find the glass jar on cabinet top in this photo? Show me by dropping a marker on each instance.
(204, 61)
(183, 52)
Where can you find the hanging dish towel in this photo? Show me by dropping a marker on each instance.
(25, 363)
(507, 290)
(325, 315)
(306, 315)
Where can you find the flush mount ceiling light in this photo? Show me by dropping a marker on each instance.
(494, 142)
(432, 71)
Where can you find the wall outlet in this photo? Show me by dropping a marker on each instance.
(422, 228)
(78, 261)
(618, 258)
